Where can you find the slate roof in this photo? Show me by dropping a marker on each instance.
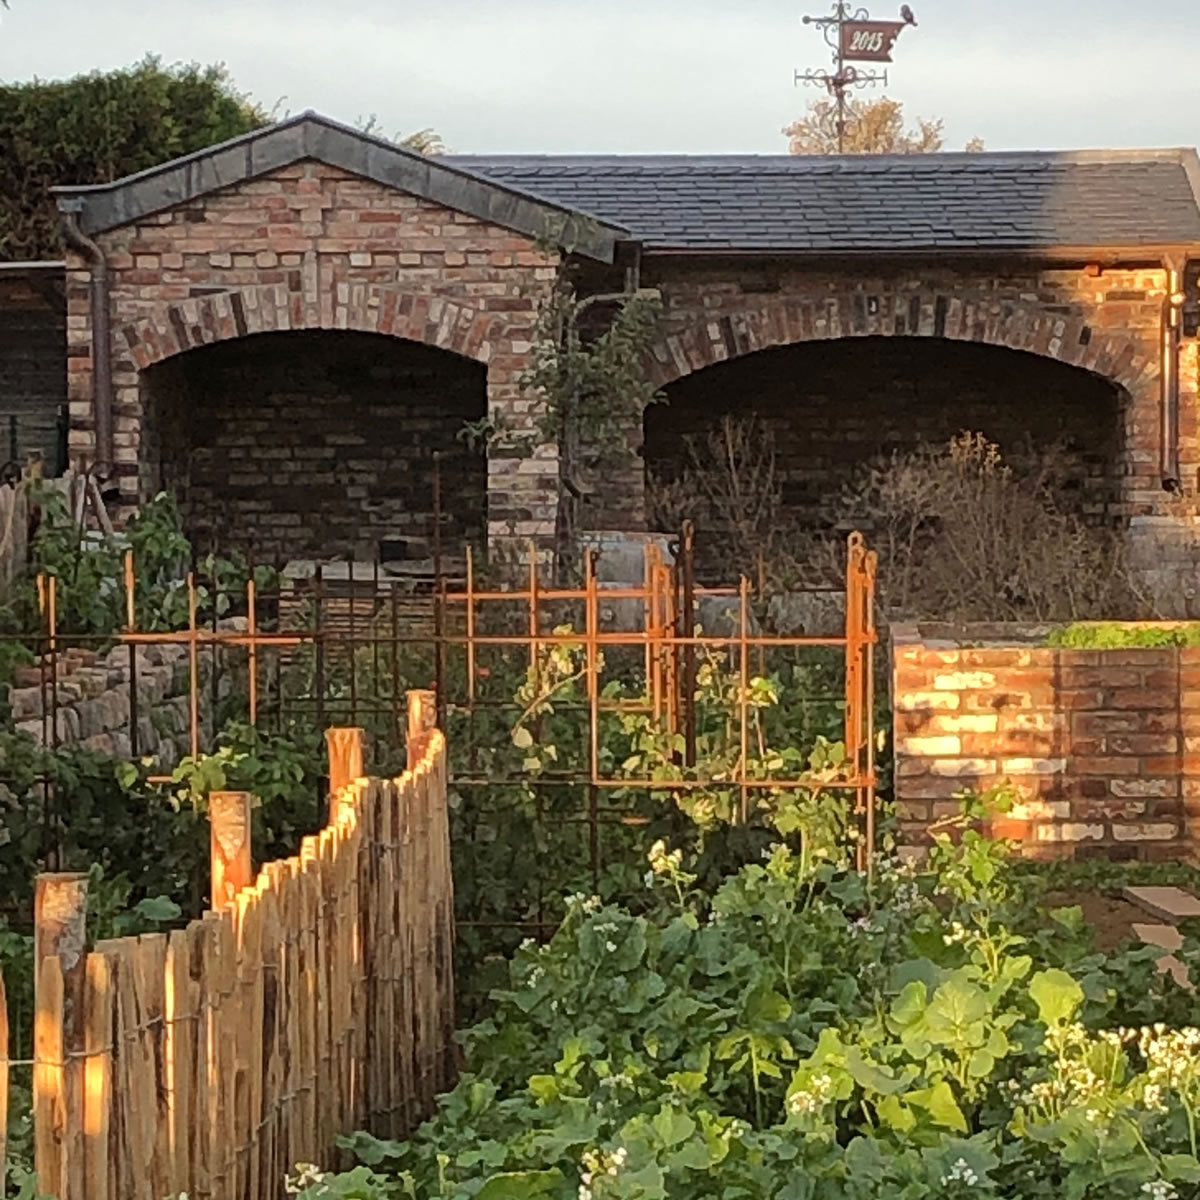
(942, 202)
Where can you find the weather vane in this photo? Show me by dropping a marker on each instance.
(854, 37)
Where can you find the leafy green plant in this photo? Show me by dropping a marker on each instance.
(1124, 635)
(797, 1032)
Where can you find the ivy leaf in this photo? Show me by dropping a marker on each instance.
(1057, 996)
(520, 1185)
(522, 739)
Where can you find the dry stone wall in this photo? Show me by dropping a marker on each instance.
(88, 705)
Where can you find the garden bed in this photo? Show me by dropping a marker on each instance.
(794, 1032)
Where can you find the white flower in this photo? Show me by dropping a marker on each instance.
(1159, 1189)
(306, 1175)
(960, 1172)
(610, 946)
(806, 1101)
(957, 934)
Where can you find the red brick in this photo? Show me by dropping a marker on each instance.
(1081, 765)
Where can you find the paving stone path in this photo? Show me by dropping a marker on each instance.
(1168, 906)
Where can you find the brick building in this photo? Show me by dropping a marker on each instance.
(284, 328)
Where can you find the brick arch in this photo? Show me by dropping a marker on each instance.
(365, 308)
(789, 320)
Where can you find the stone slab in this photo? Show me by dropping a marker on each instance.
(1169, 904)
(1169, 963)
(1167, 937)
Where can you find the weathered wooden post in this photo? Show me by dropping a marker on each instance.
(422, 721)
(60, 965)
(231, 864)
(345, 747)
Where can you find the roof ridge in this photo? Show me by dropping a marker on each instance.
(1100, 155)
(312, 136)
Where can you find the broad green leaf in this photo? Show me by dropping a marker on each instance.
(1070, 919)
(1057, 996)
(520, 1185)
(910, 1005)
(767, 1005)
(673, 1127)
(157, 908)
(1182, 1167)
(981, 1064)
(867, 1075)
(127, 774)
(939, 1102)
(895, 1114)
(691, 1156)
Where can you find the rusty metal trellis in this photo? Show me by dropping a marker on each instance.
(665, 638)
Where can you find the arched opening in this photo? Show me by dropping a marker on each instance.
(317, 443)
(826, 408)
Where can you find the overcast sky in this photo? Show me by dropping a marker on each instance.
(649, 75)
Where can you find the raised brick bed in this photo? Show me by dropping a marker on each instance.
(1104, 745)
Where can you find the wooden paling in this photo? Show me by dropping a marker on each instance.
(314, 1000)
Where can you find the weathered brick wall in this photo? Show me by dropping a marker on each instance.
(1103, 745)
(33, 385)
(314, 247)
(1107, 323)
(318, 444)
(828, 407)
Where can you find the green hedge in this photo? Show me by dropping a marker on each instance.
(99, 127)
(1119, 635)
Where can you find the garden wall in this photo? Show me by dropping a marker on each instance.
(1104, 745)
(90, 705)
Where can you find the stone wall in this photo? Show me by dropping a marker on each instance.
(89, 707)
(1103, 745)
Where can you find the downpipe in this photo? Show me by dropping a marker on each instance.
(102, 389)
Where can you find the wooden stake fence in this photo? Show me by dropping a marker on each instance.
(316, 1000)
